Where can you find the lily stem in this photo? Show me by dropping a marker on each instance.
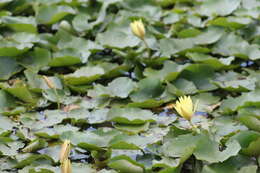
(193, 126)
(147, 47)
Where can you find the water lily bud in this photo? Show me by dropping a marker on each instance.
(65, 151)
(66, 166)
(138, 29)
(185, 107)
(65, 25)
(48, 82)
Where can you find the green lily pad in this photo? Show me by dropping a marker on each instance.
(170, 47)
(132, 128)
(249, 142)
(52, 14)
(118, 39)
(130, 115)
(84, 75)
(9, 67)
(95, 140)
(148, 88)
(181, 87)
(246, 99)
(119, 87)
(196, 74)
(217, 64)
(232, 44)
(250, 117)
(235, 82)
(225, 7)
(37, 59)
(21, 91)
(231, 22)
(20, 24)
(125, 164)
(65, 57)
(12, 48)
(169, 72)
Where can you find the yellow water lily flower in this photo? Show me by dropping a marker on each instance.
(185, 107)
(65, 151)
(66, 166)
(138, 29)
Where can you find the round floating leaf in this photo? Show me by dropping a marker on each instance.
(119, 87)
(250, 117)
(84, 75)
(118, 39)
(125, 164)
(8, 67)
(20, 24)
(169, 72)
(130, 115)
(224, 7)
(196, 74)
(148, 88)
(53, 13)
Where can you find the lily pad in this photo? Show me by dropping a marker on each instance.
(84, 75)
(20, 24)
(130, 115)
(52, 14)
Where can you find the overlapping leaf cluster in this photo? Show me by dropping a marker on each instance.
(107, 94)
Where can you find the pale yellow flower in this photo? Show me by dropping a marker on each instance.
(65, 151)
(138, 29)
(185, 107)
(66, 166)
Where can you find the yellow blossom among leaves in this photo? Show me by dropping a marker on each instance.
(185, 107)
(138, 29)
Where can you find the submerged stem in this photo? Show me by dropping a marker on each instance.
(147, 47)
(194, 127)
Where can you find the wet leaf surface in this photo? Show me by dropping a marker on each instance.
(77, 70)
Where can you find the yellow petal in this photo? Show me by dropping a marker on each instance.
(184, 107)
(138, 29)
